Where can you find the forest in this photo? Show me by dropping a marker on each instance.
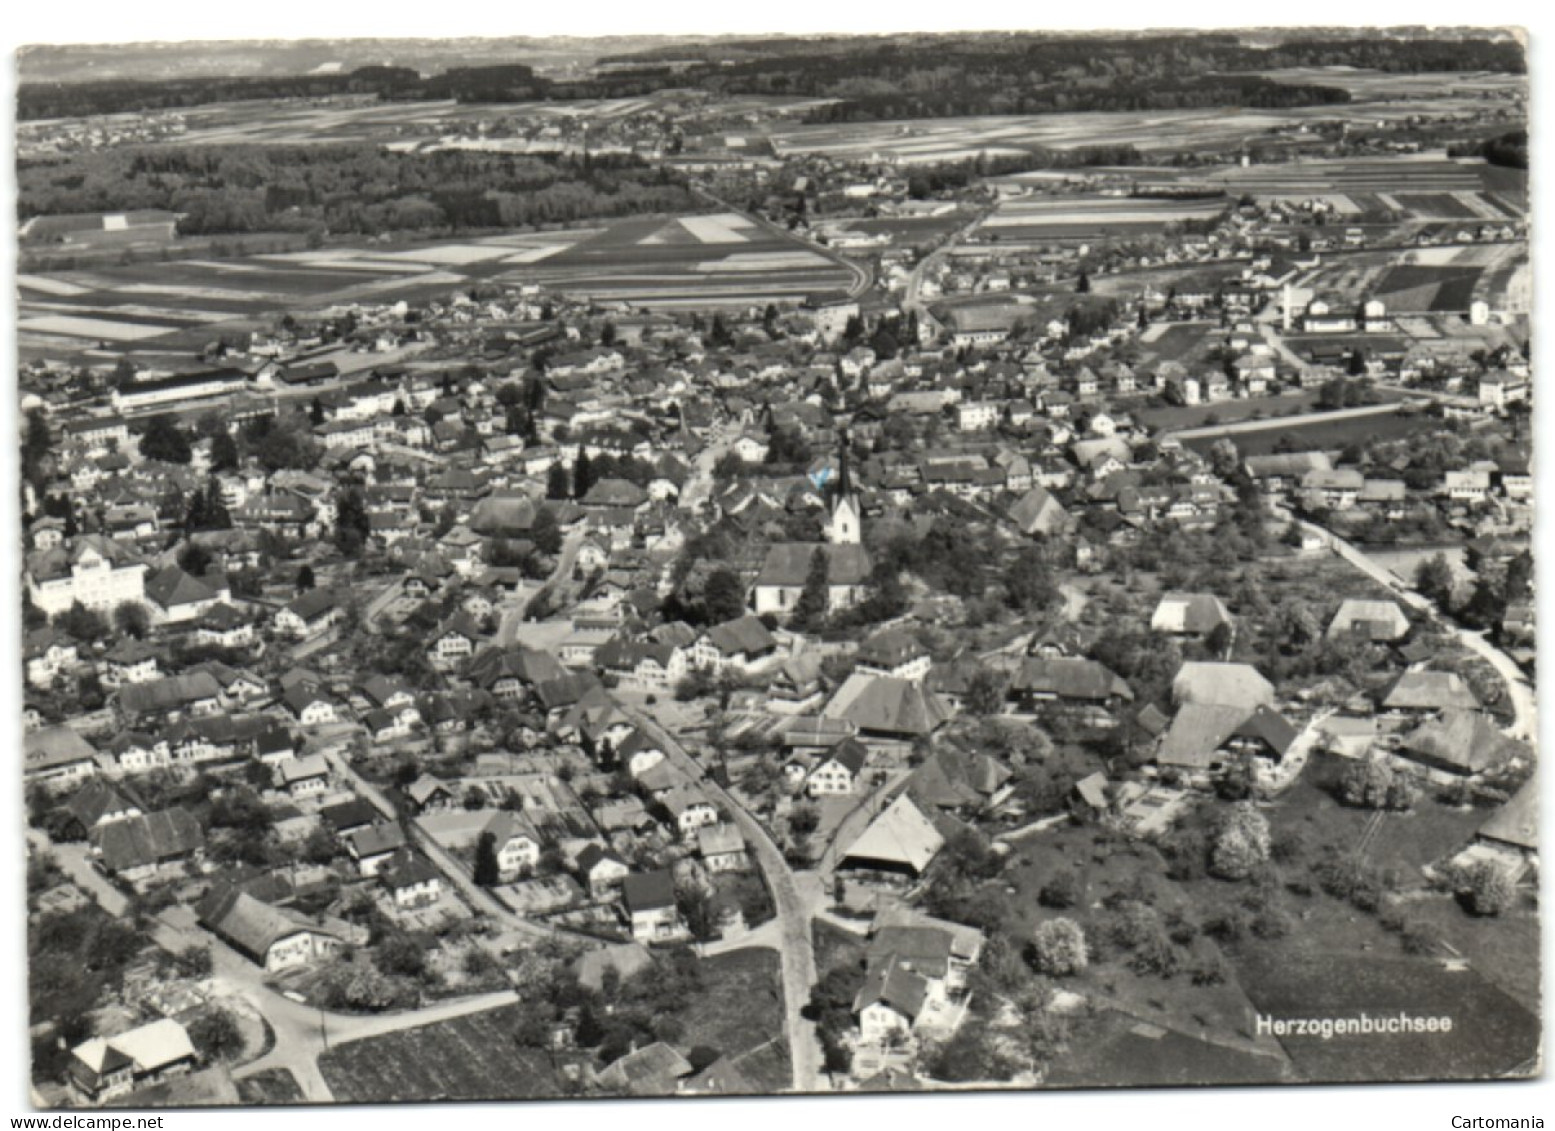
(893, 77)
(237, 189)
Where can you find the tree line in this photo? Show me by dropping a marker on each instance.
(901, 76)
(346, 188)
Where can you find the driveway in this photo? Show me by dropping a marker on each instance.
(73, 858)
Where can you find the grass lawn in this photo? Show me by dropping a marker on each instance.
(1405, 842)
(1113, 1049)
(468, 1058)
(1218, 1013)
(272, 1086)
(1491, 1034)
(835, 947)
(741, 1003)
(1504, 949)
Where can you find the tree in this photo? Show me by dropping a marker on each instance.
(815, 598)
(83, 623)
(305, 578)
(582, 474)
(1242, 843)
(1028, 583)
(546, 533)
(986, 691)
(38, 458)
(132, 619)
(1082, 285)
(215, 1034)
(723, 595)
(1489, 889)
(487, 871)
(400, 955)
(352, 525)
(1375, 785)
(1434, 580)
(195, 560)
(1062, 889)
(1058, 948)
(224, 452)
(164, 440)
(558, 484)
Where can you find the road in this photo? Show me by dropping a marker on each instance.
(302, 1031)
(478, 897)
(513, 615)
(73, 858)
(699, 487)
(1519, 692)
(863, 277)
(910, 296)
(794, 909)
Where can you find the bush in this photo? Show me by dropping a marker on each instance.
(1061, 891)
(1490, 890)
(1058, 948)
(1241, 845)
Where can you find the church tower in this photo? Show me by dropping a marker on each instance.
(845, 517)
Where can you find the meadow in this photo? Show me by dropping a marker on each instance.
(714, 259)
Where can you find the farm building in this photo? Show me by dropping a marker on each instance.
(900, 841)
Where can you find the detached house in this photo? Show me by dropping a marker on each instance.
(102, 1068)
(649, 898)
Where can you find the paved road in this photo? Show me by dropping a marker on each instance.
(561, 573)
(73, 857)
(794, 909)
(481, 899)
(911, 300)
(1519, 692)
(863, 277)
(301, 1031)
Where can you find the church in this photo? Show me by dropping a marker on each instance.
(783, 574)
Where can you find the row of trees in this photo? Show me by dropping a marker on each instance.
(346, 188)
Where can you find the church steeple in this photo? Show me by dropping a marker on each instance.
(844, 523)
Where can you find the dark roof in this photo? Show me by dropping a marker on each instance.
(648, 891)
(149, 839)
(1069, 678)
(788, 563)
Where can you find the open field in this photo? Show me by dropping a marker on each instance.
(1175, 417)
(1377, 97)
(469, 1058)
(1325, 435)
(1491, 1033)
(1375, 85)
(185, 303)
(723, 259)
(741, 1005)
(1119, 1050)
(1423, 188)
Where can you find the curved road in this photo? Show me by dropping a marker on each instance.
(1519, 691)
(793, 910)
(863, 277)
(301, 1031)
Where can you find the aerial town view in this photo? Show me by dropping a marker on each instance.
(695, 566)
